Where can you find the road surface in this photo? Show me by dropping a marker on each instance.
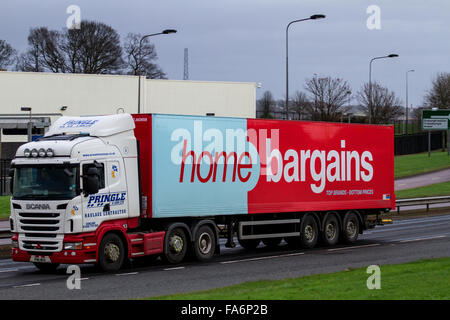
(403, 241)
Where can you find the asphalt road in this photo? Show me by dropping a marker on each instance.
(422, 180)
(403, 241)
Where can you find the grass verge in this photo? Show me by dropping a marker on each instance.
(4, 207)
(424, 279)
(432, 190)
(419, 163)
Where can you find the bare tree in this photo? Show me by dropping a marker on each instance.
(266, 105)
(94, 48)
(439, 95)
(386, 107)
(140, 57)
(7, 54)
(300, 105)
(328, 97)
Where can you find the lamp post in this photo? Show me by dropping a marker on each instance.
(29, 124)
(405, 130)
(167, 31)
(393, 55)
(313, 17)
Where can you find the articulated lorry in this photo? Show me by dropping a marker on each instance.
(107, 189)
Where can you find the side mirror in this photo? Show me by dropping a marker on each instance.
(91, 181)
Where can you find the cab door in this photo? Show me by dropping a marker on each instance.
(115, 177)
(94, 205)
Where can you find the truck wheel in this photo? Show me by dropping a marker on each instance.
(204, 243)
(330, 233)
(46, 267)
(309, 232)
(111, 253)
(175, 247)
(249, 244)
(272, 242)
(350, 228)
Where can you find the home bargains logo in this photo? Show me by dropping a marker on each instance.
(99, 200)
(216, 156)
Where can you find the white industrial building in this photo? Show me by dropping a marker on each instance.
(51, 95)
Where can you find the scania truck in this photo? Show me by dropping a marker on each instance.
(108, 189)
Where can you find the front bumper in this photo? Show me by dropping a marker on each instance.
(88, 254)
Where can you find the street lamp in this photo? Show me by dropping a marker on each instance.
(313, 17)
(392, 55)
(405, 130)
(166, 31)
(29, 124)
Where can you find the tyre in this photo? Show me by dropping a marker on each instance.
(204, 243)
(175, 246)
(309, 232)
(350, 228)
(272, 242)
(330, 232)
(46, 267)
(111, 255)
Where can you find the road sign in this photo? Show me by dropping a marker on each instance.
(435, 119)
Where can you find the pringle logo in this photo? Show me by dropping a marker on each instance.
(37, 206)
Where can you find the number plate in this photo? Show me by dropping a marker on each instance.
(42, 259)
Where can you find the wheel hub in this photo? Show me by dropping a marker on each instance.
(351, 228)
(309, 233)
(112, 252)
(176, 244)
(204, 243)
(330, 231)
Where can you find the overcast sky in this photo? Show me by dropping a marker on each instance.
(244, 40)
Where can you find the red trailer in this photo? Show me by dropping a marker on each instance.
(267, 180)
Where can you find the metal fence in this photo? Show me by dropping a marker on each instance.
(5, 164)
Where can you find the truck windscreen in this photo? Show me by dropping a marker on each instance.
(51, 182)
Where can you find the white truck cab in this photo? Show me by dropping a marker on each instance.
(82, 173)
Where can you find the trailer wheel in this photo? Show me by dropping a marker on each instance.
(176, 246)
(350, 228)
(272, 242)
(46, 267)
(330, 233)
(111, 253)
(309, 232)
(204, 243)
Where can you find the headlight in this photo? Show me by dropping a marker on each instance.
(27, 152)
(34, 153)
(42, 153)
(14, 244)
(50, 152)
(73, 245)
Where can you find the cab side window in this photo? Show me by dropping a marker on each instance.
(101, 172)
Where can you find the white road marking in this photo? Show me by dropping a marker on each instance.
(175, 268)
(263, 258)
(27, 285)
(126, 274)
(420, 239)
(354, 247)
(9, 270)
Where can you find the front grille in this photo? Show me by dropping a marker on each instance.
(40, 245)
(40, 231)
